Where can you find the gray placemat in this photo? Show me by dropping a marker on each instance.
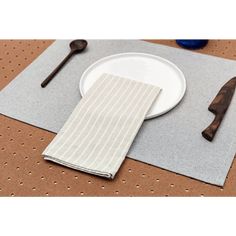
(172, 141)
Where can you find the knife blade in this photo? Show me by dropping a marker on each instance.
(219, 106)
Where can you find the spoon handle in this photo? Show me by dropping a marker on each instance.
(56, 70)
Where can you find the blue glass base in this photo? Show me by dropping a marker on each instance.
(192, 44)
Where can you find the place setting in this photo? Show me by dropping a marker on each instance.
(112, 99)
(99, 153)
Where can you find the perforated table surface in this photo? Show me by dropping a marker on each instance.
(23, 172)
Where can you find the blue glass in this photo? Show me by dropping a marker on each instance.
(192, 44)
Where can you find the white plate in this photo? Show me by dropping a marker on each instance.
(145, 68)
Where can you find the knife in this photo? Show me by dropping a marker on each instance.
(219, 107)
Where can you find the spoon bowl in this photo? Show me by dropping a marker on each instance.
(78, 45)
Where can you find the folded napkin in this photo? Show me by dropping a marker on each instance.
(102, 127)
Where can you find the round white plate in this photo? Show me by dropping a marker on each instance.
(145, 68)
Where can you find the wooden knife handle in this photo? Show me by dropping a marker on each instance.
(211, 130)
(219, 107)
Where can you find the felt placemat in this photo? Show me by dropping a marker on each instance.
(181, 149)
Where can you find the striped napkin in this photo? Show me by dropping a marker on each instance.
(99, 132)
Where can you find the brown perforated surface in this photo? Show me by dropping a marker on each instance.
(23, 172)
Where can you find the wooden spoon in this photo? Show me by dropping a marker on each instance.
(76, 46)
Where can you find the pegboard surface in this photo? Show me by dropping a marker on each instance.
(23, 172)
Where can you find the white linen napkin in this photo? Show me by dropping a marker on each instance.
(99, 132)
